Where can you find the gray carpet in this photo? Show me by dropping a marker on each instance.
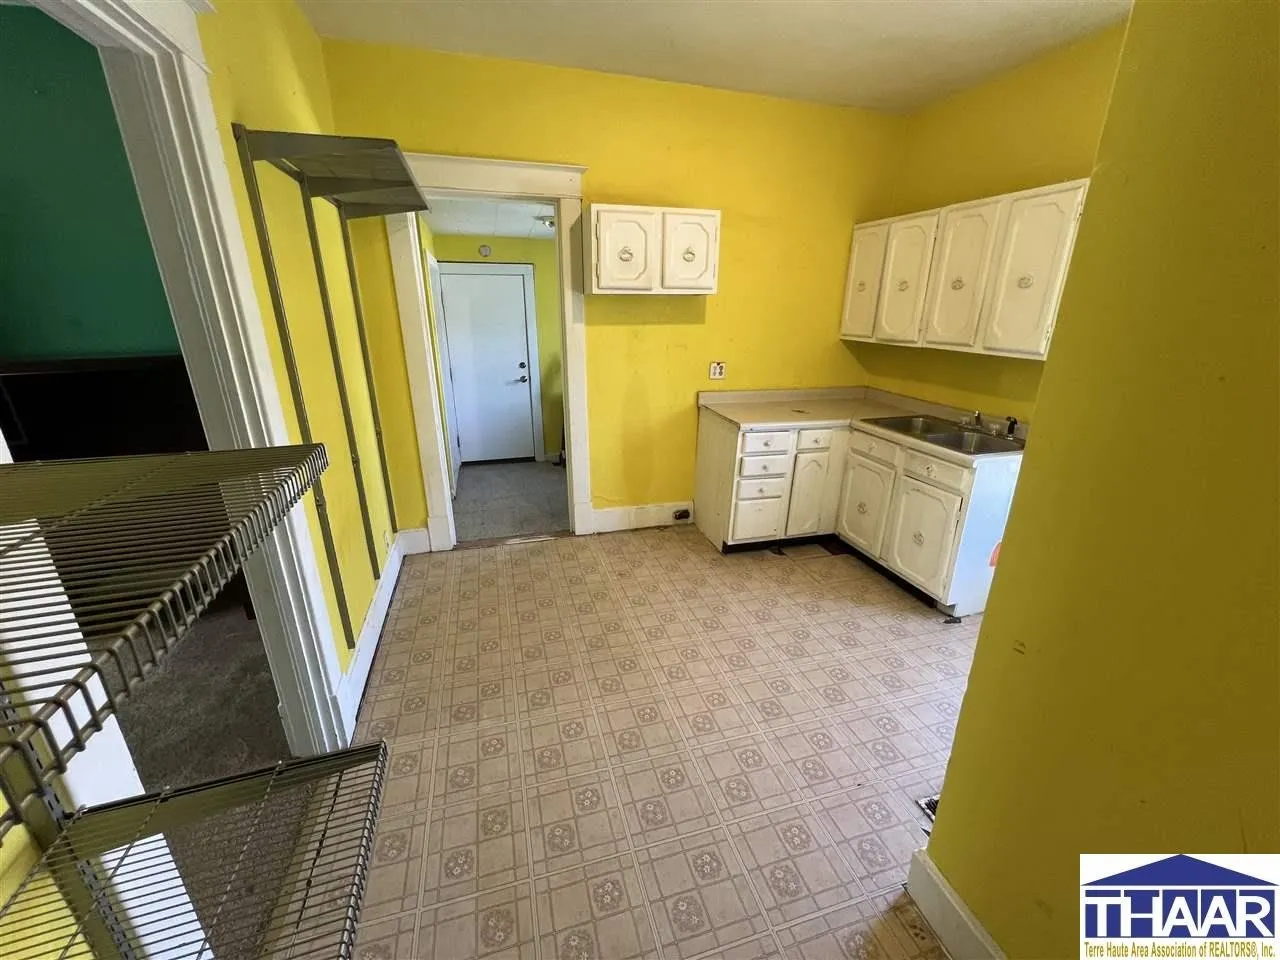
(210, 710)
(510, 500)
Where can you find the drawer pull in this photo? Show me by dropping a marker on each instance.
(862, 506)
(862, 285)
(930, 469)
(767, 443)
(904, 285)
(957, 283)
(1025, 281)
(918, 538)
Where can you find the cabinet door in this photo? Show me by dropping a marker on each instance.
(864, 503)
(862, 286)
(961, 267)
(922, 533)
(808, 483)
(1030, 271)
(906, 273)
(690, 249)
(756, 520)
(626, 249)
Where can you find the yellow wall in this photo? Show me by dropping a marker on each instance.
(546, 293)
(267, 71)
(790, 177)
(1034, 125)
(1123, 697)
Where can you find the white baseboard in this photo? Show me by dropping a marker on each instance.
(953, 922)
(351, 686)
(414, 541)
(612, 519)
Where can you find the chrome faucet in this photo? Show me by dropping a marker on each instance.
(977, 419)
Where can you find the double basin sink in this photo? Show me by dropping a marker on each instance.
(949, 434)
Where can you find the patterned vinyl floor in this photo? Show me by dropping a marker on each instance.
(632, 746)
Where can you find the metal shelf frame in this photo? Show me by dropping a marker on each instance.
(361, 177)
(273, 865)
(104, 564)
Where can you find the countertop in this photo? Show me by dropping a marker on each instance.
(758, 410)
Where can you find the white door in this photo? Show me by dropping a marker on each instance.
(690, 243)
(453, 448)
(808, 484)
(488, 316)
(626, 246)
(862, 286)
(921, 533)
(864, 503)
(1030, 271)
(961, 267)
(906, 274)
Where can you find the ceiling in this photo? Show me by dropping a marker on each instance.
(455, 216)
(890, 55)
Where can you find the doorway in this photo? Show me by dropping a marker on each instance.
(493, 278)
(94, 368)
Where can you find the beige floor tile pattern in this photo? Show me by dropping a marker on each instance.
(632, 746)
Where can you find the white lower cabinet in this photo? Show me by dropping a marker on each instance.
(757, 519)
(754, 485)
(922, 532)
(864, 503)
(809, 481)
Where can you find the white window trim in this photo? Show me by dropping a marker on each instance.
(525, 272)
(515, 180)
(157, 77)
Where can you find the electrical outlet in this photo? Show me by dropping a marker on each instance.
(717, 370)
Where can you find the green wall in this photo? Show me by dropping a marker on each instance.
(77, 274)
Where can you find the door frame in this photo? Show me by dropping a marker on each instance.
(458, 268)
(158, 80)
(435, 300)
(494, 179)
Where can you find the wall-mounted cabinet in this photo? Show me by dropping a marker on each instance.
(978, 277)
(649, 250)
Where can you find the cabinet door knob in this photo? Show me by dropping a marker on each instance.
(1025, 281)
(904, 285)
(957, 283)
(862, 506)
(930, 469)
(767, 443)
(860, 286)
(625, 255)
(689, 255)
(918, 538)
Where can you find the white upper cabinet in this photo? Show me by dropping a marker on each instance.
(961, 266)
(908, 252)
(627, 243)
(1031, 268)
(979, 277)
(651, 250)
(690, 239)
(862, 287)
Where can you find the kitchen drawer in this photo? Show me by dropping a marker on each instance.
(873, 447)
(757, 519)
(756, 489)
(769, 465)
(936, 471)
(766, 442)
(814, 440)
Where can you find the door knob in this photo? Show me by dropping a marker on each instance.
(521, 364)
(524, 380)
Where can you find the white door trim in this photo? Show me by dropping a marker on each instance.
(435, 297)
(157, 76)
(515, 180)
(428, 418)
(525, 270)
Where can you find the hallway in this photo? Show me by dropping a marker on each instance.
(618, 745)
(510, 500)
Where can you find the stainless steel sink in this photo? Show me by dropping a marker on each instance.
(916, 426)
(972, 442)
